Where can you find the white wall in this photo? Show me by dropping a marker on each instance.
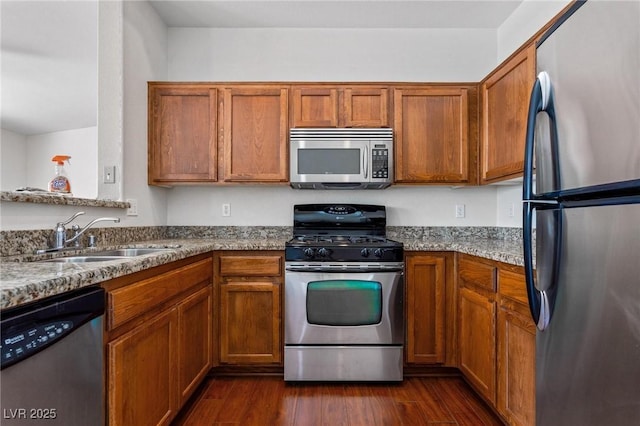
(13, 159)
(151, 52)
(509, 206)
(145, 59)
(273, 206)
(82, 170)
(136, 52)
(26, 160)
(523, 23)
(110, 96)
(207, 54)
(23, 216)
(290, 54)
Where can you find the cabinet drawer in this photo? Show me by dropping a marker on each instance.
(512, 286)
(477, 274)
(128, 302)
(257, 266)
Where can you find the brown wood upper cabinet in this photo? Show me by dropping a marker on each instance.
(201, 132)
(255, 131)
(431, 127)
(182, 133)
(505, 101)
(340, 106)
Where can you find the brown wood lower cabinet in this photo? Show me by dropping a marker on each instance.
(426, 286)
(497, 338)
(250, 326)
(158, 340)
(142, 374)
(195, 341)
(477, 341)
(516, 352)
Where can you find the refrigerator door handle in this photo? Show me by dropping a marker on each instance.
(541, 100)
(542, 294)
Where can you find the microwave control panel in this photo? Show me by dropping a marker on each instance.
(380, 163)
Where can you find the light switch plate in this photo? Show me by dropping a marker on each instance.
(133, 207)
(109, 174)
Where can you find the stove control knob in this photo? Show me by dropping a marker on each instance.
(365, 252)
(378, 252)
(323, 252)
(309, 252)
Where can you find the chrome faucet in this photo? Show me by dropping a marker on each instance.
(60, 240)
(77, 231)
(60, 233)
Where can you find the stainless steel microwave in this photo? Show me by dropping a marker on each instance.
(347, 158)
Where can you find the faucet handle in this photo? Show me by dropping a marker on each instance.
(66, 222)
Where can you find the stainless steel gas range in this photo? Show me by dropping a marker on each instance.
(343, 296)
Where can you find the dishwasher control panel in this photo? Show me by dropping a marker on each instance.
(19, 344)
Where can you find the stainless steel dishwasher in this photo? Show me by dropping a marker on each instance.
(52, 361)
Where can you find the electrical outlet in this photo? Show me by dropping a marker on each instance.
(133, 207)
(459, 210)
(226, 209)
(109, 174)
(512, 210)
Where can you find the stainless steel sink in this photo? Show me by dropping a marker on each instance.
(83, 259)
(103, 256)
(131, 252)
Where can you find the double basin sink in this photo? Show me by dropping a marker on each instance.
(103, 256)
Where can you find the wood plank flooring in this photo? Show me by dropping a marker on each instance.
(269, 401)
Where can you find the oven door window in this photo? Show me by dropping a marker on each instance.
(328, 161)
(344, 302)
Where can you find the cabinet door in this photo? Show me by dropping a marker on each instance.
(516, 351)
(516, 366)
(250, 322)
(477, 341)
(366, 107)
(255, 135)
(182, 134)
(505, 101)
(315, 107)
(425, 300)
(432, 141)
(142, 380)
(194, 347)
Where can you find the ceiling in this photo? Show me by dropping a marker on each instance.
(49, 47)
(49, 65)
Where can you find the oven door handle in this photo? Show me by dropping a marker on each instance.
(345, 268)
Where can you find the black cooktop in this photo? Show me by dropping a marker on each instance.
(338, 239)
(341, 232)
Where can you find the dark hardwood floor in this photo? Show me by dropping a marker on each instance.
(269, 401)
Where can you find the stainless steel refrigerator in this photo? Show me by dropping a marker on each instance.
(581, 192)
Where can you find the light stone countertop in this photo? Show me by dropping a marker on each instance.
(499, 250)
(22, 279)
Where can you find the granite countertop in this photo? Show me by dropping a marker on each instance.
(23, 279)
(499, 250)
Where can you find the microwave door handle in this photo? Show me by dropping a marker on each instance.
(365, 162)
